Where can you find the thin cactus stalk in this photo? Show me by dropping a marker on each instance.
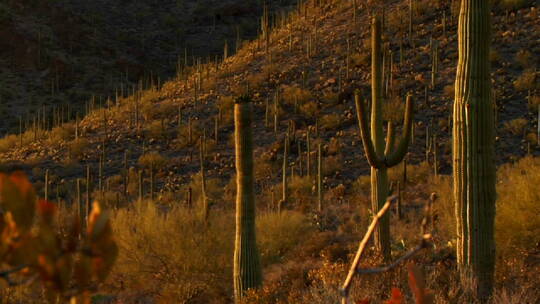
(473, 148)
(319, 177)
(46, 185)
(204, 200)
(435, 157)
(379, 155)
(399, 200)
(300, 160)
(152, 181)
(266, 113)
(216, 129)
(247, 269)
(140, 185)
(308, 154)
(87, 208)
(79, 200)
(189, 197)
(100, 174)
(284, 185)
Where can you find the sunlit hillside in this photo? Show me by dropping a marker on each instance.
(161, 158)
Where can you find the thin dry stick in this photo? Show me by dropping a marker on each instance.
(424, 243)
(361, 247)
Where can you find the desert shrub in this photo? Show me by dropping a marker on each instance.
(517, 220)
(301, 192)
(330, 121)
(309, 109)
(331, 164)
(8, 142)
(61, 133)
(449, 91)
(172, 256)
(494, 56)
(534, 103)
(214, 191)
(361, 59)
(416, 174)
(512, 4)
(155, 129)
(78, 147)
(152, 160)
(291, 93)
(516, 126)
(226, 107)
(330, 98)
(524, 58)
(526, 81)
(256, 80)
(393, 110)
(278, 233)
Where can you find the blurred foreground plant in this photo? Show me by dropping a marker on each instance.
(68, 266)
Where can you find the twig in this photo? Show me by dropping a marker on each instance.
(6, 275)
(424, 243)
(361, 247)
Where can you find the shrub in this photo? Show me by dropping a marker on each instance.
(78, 147)
(291, 93)
(226, 106)
(516, 126)
(393, 110)
(524, 58)
(330, 121)
(278, 233)
(517, 220)
(152, 160)
(526, 81)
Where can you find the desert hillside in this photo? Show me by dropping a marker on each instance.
(160, 151)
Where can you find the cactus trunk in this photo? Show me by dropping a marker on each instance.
(381, 156)
(473, 148)
(247, 268)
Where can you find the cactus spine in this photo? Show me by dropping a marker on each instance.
(247, 269)
(380, 157)
(473, 147)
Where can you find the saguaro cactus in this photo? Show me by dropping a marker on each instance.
(473, 148)
(379, 156)
(247, 268)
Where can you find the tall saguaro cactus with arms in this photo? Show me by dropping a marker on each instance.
(247, 269)
(381, 156)
(473, 148)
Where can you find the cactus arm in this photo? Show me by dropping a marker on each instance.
(390, 138)
(399, 153)
(371, 156)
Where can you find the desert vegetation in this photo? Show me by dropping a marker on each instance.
(351, 152)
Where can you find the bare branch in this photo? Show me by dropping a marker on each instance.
(362, 246)
(425, 242)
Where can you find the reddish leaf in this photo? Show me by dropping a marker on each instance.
(46, 210)
(397, 297)
(418, 285)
